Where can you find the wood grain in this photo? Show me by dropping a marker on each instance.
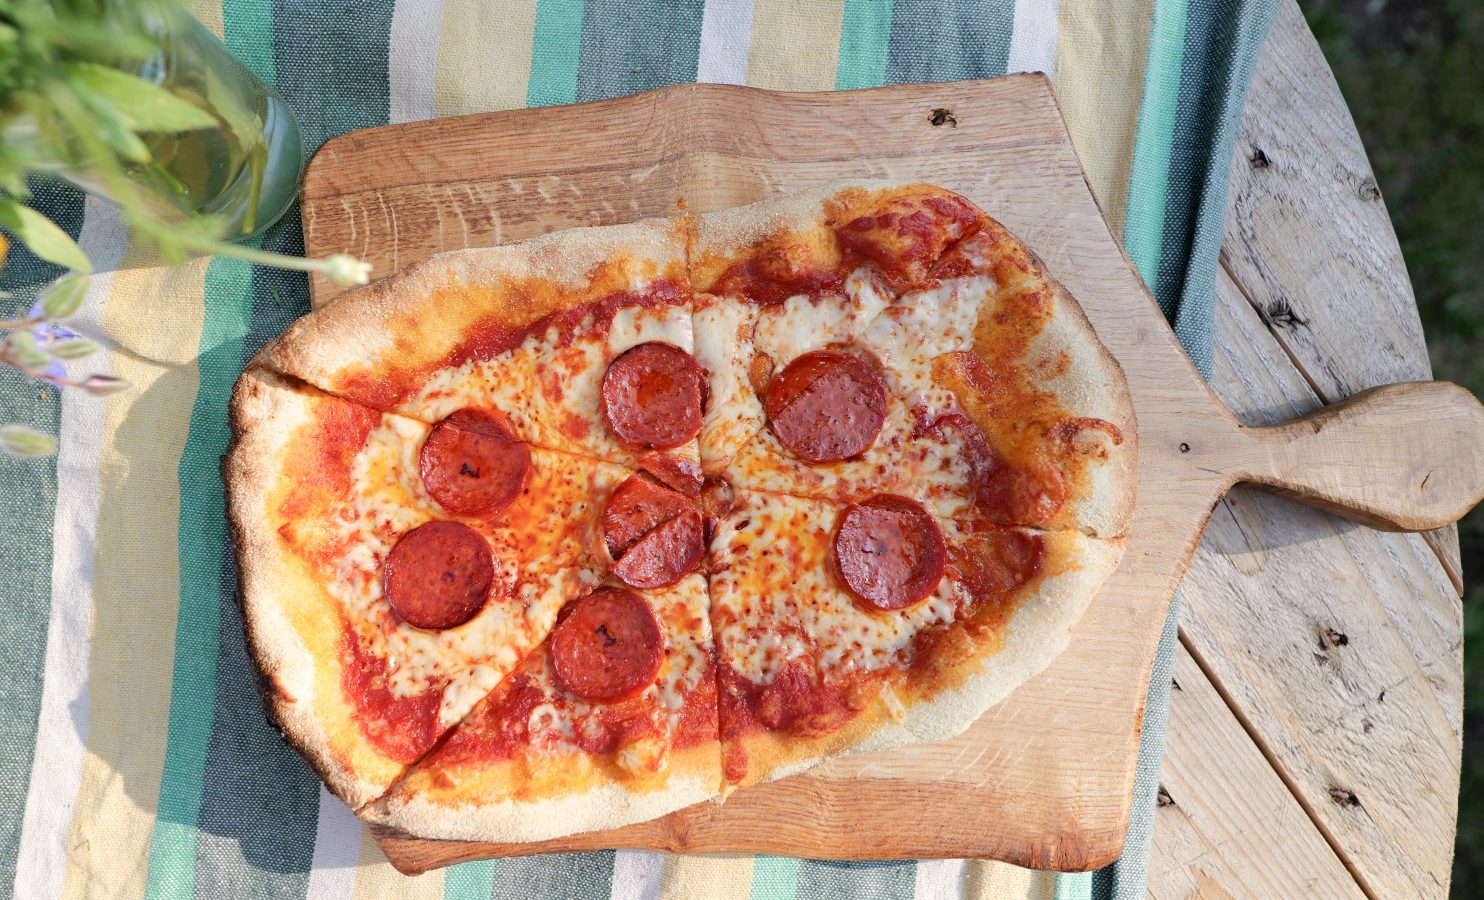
(1303, 212)
(1044, 778)
(1225, 823)
(1309, 242)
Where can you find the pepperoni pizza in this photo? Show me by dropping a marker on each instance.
(571, 533)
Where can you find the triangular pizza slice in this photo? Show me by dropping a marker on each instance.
(611, 721)
(582, 339)
(876, 624)
(982, 392)
(393, 572)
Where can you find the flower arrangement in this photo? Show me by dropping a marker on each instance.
(75, 101)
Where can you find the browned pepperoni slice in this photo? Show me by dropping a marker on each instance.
(889, 552)
(438, 575)
(607, 646)
(652, 397)
(683, 475)
(664, 555)
(826, 406)
(473, 464)
(634, 509)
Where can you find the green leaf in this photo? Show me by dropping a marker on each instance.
(21, 346)
(72, 348)
(21, 440)
(44, 238)
(145, 106)
(63, 296)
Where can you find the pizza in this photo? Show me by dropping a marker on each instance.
(571, 533)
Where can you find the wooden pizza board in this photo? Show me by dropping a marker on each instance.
(1045, 778)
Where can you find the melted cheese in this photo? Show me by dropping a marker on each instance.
(774, 599)
(724, 327)
(549, 386)
(802, 324)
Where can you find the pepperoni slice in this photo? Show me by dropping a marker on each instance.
(607, 646)
(826, 406)
(664, 555)
(438, 575)
(889, 552)
(473, 464)
(652, 397)
(681, 474)
(635, 508)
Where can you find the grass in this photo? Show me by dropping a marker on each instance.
(1413, 77)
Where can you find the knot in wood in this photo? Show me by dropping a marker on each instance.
(941, 116)
(1259, 159)
(1369, 190)
(1343, 797)
(1163, 798)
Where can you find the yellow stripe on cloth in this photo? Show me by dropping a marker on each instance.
(484, 56)
(795, 46)
(719, 877)
(153, 317)
(376, 879)
(986, 880)
(1099, 84)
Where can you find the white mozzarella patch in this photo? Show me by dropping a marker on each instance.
(919, 328)
(802, 324)
(723, 332)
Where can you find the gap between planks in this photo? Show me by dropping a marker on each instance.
(1277, 766)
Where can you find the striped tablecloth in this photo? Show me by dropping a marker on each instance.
(136, 759)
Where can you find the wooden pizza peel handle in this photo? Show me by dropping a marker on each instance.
(1400, 457)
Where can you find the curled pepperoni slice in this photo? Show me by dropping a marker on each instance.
(636, 508)
(438, 575)
(664, 555)
(683, 475)
(607, 646)
(826, 406)
(652, 397)
(473, 464)
(889, 552)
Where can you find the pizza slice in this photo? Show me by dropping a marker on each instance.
(611, 721)
(393, 572)
(876, 624)
(982, 393)
(582, 339)
(782, 278)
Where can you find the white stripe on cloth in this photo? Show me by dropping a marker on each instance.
(939, 879)
(337, 847)
(637, 875)
(62, 721)
(1033, 39)
(726, 38)
(412, 59)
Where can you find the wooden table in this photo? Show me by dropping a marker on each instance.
(1316, 717)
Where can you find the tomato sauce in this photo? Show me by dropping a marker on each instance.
(400, 727)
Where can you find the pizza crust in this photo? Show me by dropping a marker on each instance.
(265, 412)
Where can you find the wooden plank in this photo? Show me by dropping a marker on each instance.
(1339, 644)
(1226, 824)
(1308, 238)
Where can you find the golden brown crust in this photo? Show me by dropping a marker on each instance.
(292, 625)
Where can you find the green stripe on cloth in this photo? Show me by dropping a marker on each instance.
(1144, 224)
(1208, 113)
(555, 48)
(775, 878)
(27, 508)
(865, 32)
(822, 879)
(636, 45)
(202, 541)
(577, 876)
(946, 40)
(469, 881)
